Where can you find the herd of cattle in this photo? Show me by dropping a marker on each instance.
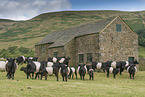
(56, 65)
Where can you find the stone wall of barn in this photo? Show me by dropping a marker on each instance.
(59, 50)
(42, 56)
(87, 44)
(117, 46)
(70, 51)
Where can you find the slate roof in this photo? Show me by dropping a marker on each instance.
(60, 38)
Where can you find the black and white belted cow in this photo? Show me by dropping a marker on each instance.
(64, 71)
(32, 67)
(132, 68)
(82, 70)
(50, 69)
(90, 71)
(9, 66)
(73, 72)
(20, 60)
(116, 67)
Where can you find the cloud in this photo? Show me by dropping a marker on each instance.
(26, 9)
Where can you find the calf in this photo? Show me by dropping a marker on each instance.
(91, 74)
(82, 70)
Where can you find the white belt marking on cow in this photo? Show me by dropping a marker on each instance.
(111, 69)
(99, 65)
(37, 66)
(62, 60)
(113, 64)
(49, 70)
(3, 65)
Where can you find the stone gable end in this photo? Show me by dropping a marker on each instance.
(115, 45)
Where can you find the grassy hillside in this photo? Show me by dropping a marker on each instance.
(102, 86)
(28, 33)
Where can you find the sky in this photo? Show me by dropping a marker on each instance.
(27, 9)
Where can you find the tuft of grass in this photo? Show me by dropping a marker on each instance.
(101, 86)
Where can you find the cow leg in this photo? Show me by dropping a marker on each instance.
(41, 76)
(9, 76)
(63, 78)
(36, 75)
(56, 74)
(13, 77)
(130, 76)
(104, 70)
(114, 75)
(76, 74)
(83, 77)
(28, 75)
(45, 76)
(107, 73)
(120, 73)
(90, 77)
(133, 76)
(32, 75)
(66, 78)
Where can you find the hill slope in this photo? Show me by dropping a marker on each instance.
(28, 33)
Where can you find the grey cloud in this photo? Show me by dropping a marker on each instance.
(26, 9)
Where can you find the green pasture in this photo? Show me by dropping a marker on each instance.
(101, 86)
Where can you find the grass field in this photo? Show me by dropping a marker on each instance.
(101, 86)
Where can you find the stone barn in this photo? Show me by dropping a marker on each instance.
(106, 39)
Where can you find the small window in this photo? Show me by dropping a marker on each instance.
(89, 57)
(81, 58)
(42, 49)
(55, 54)
(118, 27)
